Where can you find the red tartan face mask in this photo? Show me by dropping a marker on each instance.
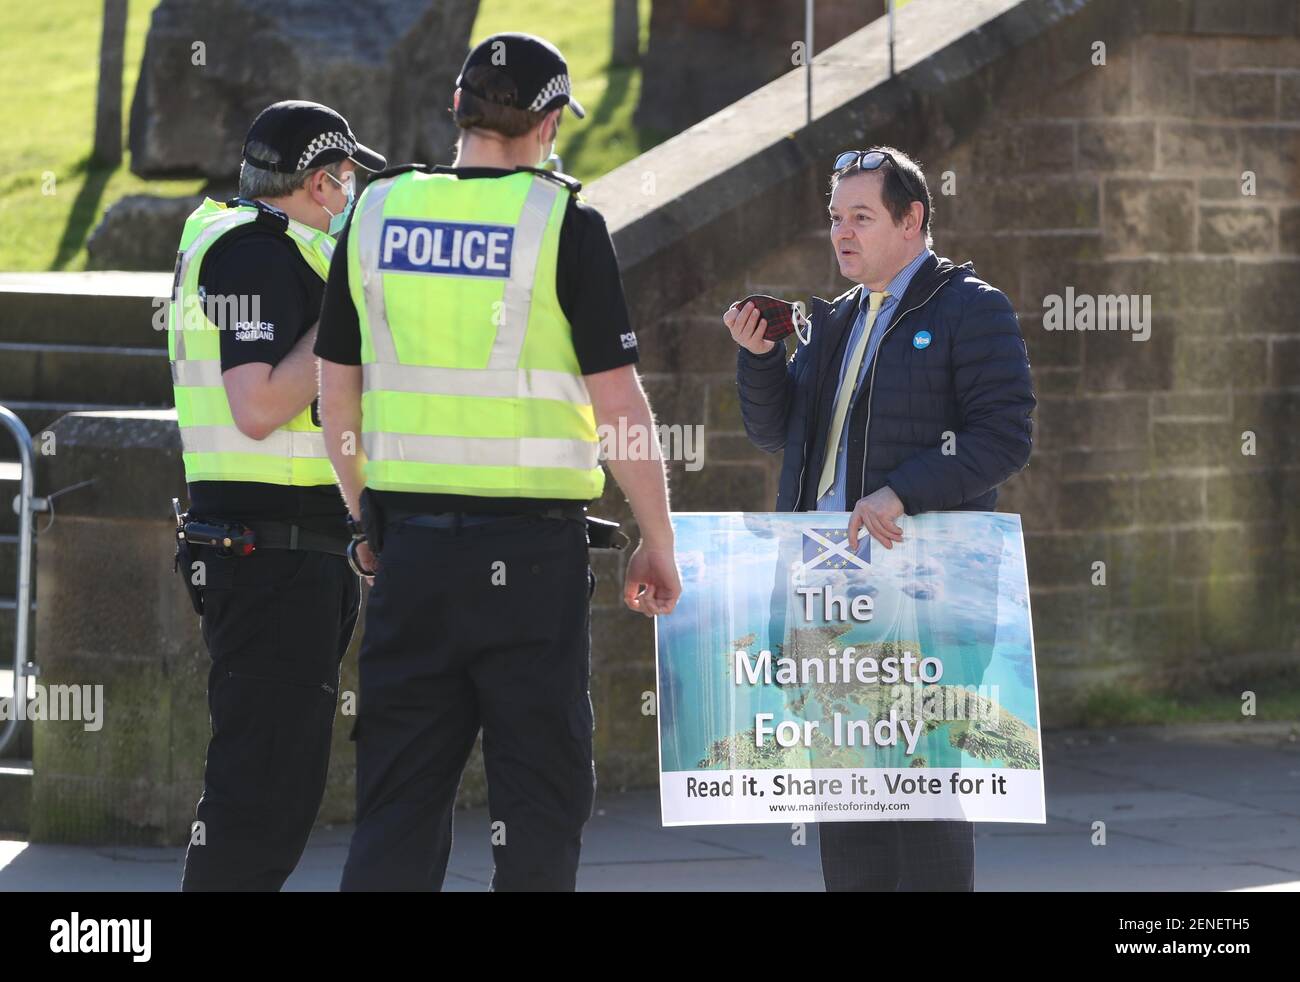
(783, 317)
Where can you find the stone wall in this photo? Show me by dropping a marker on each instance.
(1117, 178)
(113, 613)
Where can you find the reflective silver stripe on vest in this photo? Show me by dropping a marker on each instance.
(311, 238)
(524, 383)
(196, 374)
(227, 439)
(218, 227)
(368, 229)
(481, 451)
(517, 300)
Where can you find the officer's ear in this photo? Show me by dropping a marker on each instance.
(316, 185)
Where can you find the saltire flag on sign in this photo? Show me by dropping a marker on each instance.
(829, 549)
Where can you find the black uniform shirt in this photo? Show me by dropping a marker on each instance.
(590, 290)
(259, 261)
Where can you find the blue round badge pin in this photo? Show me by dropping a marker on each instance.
(921, 339)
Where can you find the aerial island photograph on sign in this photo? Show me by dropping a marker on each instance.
(802, 679)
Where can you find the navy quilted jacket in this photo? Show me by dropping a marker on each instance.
(972, 381)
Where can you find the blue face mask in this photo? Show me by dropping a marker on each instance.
(350, 189)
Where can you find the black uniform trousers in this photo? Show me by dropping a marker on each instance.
(480, 626)
(277, 624)
(897, 856)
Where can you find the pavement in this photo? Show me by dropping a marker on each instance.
(1200, 808)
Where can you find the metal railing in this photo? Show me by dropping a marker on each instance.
(23, 596)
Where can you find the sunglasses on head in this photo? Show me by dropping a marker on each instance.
(872, 160)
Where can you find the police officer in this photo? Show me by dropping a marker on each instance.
(475, 335)
(277, 598)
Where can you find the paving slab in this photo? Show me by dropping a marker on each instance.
(1200, 813)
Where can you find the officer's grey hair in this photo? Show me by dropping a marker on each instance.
(256, 182)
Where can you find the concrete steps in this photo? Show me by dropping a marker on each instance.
(116, 375)
(115, 309)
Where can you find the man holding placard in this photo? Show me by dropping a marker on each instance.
(911, 394)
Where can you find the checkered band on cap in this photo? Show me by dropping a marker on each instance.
(559, 85)
(326, 141)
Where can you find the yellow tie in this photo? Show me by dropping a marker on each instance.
(845, 395)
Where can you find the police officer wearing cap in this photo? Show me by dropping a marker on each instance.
(475, 336)
(262, 547)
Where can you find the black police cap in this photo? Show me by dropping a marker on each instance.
(306, 134)
(536, 68)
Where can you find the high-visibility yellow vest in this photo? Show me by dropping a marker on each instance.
(471, 384)
(214, 449)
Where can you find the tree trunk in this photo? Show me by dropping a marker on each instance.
(108, 106)
(627, 32)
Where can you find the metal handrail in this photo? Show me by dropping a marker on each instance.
(23, 597)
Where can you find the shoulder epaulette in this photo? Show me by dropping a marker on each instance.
(398, 169)
(564, 180)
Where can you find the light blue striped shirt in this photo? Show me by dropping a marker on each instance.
(833, 499)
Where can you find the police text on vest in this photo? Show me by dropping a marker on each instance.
(446, 248)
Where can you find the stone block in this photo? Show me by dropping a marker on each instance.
(1117, 146)
(1263, 19)
(1102, 503)
(1284, 362)
(1197, 148)
(1235, 230)
(1272, 290)
(1272, 155)
(1144, 216)
(1288, 96)
(1023, 147)
(1235, 95)
(1162, 82)
(1184, 444)
(1171, 500)
(1288, 230)
(1140, 564)
(1064, 559)
(1258, 494)
(1190, 405)
(1219, 189)
(1116, 361)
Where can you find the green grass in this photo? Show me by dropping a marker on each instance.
(583, 31)
(48, 118)
(52, 196)
(1125, 707)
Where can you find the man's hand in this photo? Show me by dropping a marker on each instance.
(652, 585)
(876, 513)
(747, 329)
(367, 559)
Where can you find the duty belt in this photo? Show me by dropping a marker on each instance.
(460, 519)
(279, 535)
(601, 533)
(244, 539)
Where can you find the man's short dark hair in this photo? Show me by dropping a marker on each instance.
(898, 199)
(494, 112)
